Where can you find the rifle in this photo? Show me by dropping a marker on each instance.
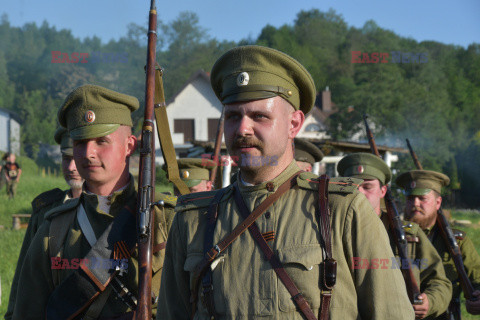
(146, 180)
(218, 144)
(450, 241)
(397, 226)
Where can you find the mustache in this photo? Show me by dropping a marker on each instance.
(417, 209)
(88, 163)
(241, 142)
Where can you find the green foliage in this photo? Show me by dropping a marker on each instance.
(435, 104)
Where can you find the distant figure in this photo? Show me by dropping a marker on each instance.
(2, 167)
(306, 154)
(12, 173)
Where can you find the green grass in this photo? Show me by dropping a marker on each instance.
(32, 184)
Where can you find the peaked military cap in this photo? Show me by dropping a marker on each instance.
(306, 151)
(249, 73)
(421, 182)
(194, 170)
(92, 111)
(63, 139)
(364, 166)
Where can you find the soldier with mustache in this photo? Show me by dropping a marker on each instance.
(46, 201)
(295, 259)
(423, 189)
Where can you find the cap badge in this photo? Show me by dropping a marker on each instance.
(360, 169)
(90, 116)
(242, 79)
(413, 185)
(185, 174)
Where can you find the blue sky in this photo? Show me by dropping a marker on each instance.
(450, 22)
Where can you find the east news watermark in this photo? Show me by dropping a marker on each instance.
(244, 160)
(392, 263)
(392, 57)
(93, 57)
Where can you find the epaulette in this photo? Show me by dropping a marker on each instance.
(308, 180)
(168, 200)
(459, 234)
(199, 199)
(66, 206)
(47, 198)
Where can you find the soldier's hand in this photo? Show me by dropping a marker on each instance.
(473, 306)
(421, 310)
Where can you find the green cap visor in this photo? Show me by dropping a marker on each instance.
(417, 192)
(93, 131)
(191, 183)
(369, 172)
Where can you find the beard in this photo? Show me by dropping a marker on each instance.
(75, 184)
(423, 219)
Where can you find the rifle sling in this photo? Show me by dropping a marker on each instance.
(163, 130)
(214, 251)
(65, 303)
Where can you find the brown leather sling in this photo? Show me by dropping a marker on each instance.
(249, 222)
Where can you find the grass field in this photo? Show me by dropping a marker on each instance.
(32, 184)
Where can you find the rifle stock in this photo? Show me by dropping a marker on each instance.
(397, 226)
(450, 241)
(146, 181)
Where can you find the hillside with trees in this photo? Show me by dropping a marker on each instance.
(435, 103)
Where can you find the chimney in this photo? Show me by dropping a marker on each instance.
(326, 100)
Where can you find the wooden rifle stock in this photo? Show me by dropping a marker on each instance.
(218, 145)
(397, 226)
(450, 241)
(146, 180)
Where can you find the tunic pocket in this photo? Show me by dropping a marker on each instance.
(302, 264)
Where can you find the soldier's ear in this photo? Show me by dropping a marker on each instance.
(297, 118)
(438, 202)
(131, 144)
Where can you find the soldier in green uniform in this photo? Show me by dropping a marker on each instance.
(266, 94)
(46, 201)
(306, 154)
(427, 266)
(423, 189)
(82, 262)
(195, 172)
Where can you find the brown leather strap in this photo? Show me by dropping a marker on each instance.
(329, 270)
(297, 297)
(159, 246)
(202, 266)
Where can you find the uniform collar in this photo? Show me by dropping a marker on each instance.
(272, 185)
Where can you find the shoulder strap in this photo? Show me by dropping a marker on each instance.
(59, 227)
(329, 271)
(277, 266)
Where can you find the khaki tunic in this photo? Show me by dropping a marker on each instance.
(471, 259)
(244, 284)
(40, 205)
(427, 267)
(36, 282)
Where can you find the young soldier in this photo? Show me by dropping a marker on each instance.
(83, 262)
(266, 95)
(427, 267)
(306, 154)
(423, 189)
(46, 201)
(195, 172)
(12, 175)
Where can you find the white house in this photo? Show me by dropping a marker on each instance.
(9, 131)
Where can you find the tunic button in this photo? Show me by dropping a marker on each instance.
(270, 186)
(310, 268)
(267, 215)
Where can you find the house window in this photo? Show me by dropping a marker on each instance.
(185, 126)
(212, 129)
